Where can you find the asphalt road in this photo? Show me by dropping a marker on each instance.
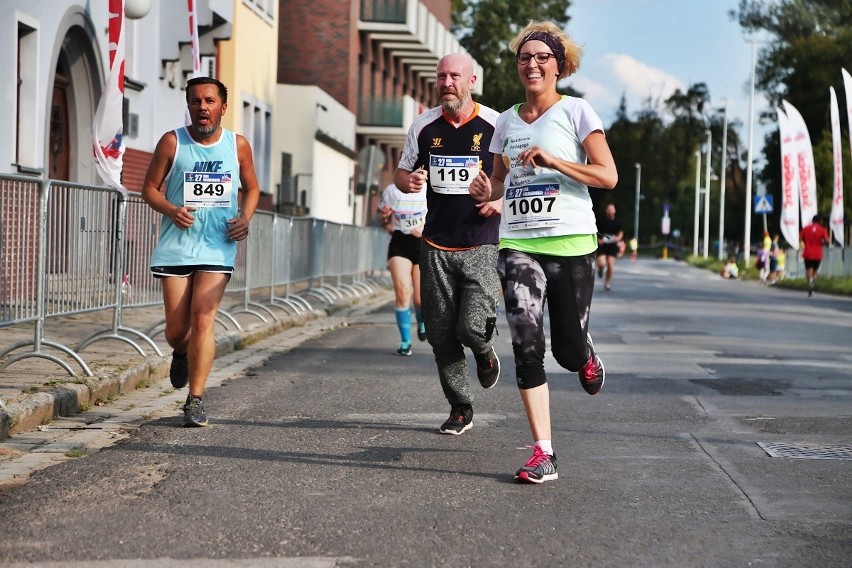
(325, 452)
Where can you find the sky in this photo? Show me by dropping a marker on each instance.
(642, 48)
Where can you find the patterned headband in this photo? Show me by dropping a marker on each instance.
(554, 44)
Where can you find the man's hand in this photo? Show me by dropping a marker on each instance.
(183, 217)
(238, 228)
(417, 180)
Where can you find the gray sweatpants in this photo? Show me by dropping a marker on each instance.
(458, 291)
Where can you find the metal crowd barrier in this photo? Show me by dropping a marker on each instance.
(70, 249)
(836, 261)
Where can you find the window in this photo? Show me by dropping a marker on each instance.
(26, 111)
(257, 128)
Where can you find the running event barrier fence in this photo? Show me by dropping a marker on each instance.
(69, 249)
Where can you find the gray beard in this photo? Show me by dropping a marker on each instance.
(456, 104)
(206, 131)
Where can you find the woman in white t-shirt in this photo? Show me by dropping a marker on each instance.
(403, 215)
(548, 150)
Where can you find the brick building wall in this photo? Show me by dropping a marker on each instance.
(134, 167)
(318, 45)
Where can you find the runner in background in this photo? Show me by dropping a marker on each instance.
(610, 244)
(813, 238)
(403, 215)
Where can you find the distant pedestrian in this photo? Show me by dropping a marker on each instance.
(548, 150)
(762, 260)
(813, 238)
(403, 215)
(446, 147)
(730, 270)
(610, 245)
(194, 180)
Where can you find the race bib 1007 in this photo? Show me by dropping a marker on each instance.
(531, 206)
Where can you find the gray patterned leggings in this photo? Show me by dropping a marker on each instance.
(566, 285)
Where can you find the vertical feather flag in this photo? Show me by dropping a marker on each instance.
(108, 127)
(836, 217)
(804, 163)
(789, 182)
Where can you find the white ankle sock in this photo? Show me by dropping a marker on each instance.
(545, 446)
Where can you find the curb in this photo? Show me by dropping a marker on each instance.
(70, 398)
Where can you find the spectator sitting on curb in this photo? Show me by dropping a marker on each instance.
(730, 271)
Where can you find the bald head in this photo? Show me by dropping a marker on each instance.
(454, 80)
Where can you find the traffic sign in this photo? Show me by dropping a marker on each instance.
(763, 204)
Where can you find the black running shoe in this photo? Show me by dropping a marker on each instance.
(592, 374)
(460, 421)
(488, 368)
(539, 468)
(404, 348)
(421, 331)
(179, 371)
(193, 412)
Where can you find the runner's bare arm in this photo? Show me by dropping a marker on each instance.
(153, 190)
(239, 225)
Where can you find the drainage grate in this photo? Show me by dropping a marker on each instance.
(806, 451)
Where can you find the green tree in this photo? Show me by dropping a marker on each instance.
(809, 41)
(485, 28)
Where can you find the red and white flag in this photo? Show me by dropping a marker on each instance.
(804, 163)
(108, 128)
(789, 182)
(836, 217)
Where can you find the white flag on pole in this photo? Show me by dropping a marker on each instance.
(804, 163)
(789, 182)
(108, 127)
(836, 217)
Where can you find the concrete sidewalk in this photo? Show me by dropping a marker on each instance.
(35, 390)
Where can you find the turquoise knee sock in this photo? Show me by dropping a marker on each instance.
(403, 322)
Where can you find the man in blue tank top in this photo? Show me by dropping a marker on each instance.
(193, 180)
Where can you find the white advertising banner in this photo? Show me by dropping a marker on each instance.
(804, 163)
(836, 217)
(789, 182)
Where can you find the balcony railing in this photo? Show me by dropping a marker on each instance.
(380, 111)
(385, 11)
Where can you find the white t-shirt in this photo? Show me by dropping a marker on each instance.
(542, 202)
(409, 209)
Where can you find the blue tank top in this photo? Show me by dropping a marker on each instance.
(206, 173)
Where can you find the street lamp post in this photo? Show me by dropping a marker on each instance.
(697, 202)
(636, 208)
(707, 196)
(747, 236)
(722, 189)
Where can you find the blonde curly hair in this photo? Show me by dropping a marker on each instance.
(573, 51)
